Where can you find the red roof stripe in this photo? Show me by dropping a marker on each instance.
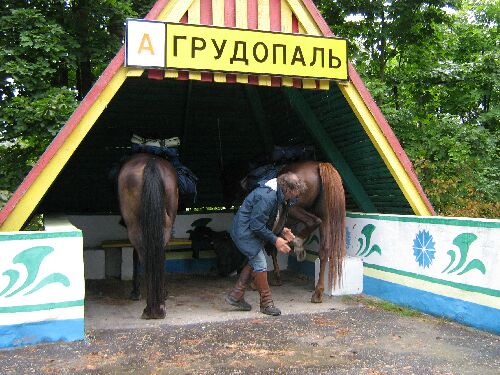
(230, 13)
(297, 83)
(252, 23)
(275, 25)
(230, 21)
(275, 14)
(206, 18)
(206, 12)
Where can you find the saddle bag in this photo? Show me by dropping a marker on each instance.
(285, 155)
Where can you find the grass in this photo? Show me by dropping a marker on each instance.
(383, 305)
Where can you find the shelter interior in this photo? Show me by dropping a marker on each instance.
(221, 126)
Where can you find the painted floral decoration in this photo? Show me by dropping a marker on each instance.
(347, 238)
(424, 248)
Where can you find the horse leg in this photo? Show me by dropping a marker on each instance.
(311, 222)
(135, 294)
(317, 296)
(277, 278)
(134, 237)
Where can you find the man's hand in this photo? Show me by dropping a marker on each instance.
(282, 245)
(287, 234)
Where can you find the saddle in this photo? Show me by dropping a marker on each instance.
(166, 148)
(169, 142)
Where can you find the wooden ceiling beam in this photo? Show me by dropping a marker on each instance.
(309, 119)
(260, 119)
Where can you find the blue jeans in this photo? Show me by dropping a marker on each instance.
(258, 262)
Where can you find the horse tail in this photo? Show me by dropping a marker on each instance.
(333, 224)
(152, 224)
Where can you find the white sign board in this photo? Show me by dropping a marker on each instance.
(145, 43)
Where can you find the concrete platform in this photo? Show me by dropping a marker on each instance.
(344, 335)
(195, 298)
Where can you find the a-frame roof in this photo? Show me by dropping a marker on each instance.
(277, 15)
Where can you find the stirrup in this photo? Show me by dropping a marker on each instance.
(270, 310)
(241, 304)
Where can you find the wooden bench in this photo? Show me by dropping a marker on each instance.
(178, 248)
(174, 242)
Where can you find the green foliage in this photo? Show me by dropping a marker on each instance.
(32, 50)
(51, 52)
(432, 66)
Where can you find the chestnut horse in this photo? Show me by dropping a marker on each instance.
(322, 205)
(148, 195)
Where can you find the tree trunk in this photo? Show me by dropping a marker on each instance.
(84, 76)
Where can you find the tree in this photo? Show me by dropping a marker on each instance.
(51, 52)
(432, 66)
(32, 109)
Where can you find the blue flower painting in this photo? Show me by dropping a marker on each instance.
(424, 248)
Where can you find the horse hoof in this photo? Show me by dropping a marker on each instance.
(275, 282)
(317, 297)
(135, 296)
(157, 314)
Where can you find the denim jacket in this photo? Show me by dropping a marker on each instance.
(253, 222)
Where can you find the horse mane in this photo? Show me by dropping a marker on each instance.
(333, 225)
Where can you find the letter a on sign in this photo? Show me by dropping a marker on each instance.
(145, 43)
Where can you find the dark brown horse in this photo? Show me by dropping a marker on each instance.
(148, 195)
(323, 206)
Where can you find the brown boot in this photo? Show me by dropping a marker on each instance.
(266, 301)
(235, 296)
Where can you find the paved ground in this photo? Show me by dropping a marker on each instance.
(201, 336)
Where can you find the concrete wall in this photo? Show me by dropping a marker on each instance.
(42, 287)
(443, 266)
(117, 263)
(439, 265)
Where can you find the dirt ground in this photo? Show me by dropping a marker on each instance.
(201, 335)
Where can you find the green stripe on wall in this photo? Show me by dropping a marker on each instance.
(428, 220)
(45, 306)
(468, 288)
(38, 235)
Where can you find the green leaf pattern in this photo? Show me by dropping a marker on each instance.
(463, 242)
(367, 232)
(32, 260)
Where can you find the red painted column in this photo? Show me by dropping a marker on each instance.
(206, 19)
(230, 21)
(297, 83)
(183, 74)
(253, 23)
(275, 22)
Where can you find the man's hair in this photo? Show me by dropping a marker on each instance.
(290, 182)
